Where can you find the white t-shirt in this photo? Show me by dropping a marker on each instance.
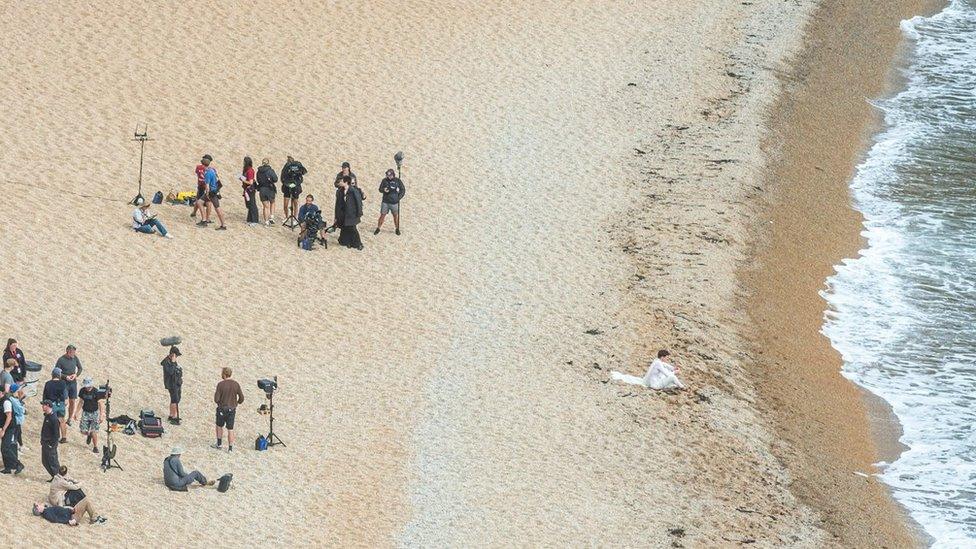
(660, 375)
(7, 408)
(138, 218)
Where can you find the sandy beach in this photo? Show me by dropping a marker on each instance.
(586, 183)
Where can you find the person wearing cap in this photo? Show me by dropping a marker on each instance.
(49, 439)
(11, 351)
(70, 367)
(173, 382)
(8, 433)
(175, 476)
(267, 178)
(56, 392)
(392, 190)
(145, 222)
(344, 170)
(92, 412)
(17, 402)
(292, 175)
(211, 196)
(202, 205)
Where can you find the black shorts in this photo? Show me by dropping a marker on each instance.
(267, 194)
(201, 190)
(174, 394)
(225, 417)
(72, 388)
(291, 192)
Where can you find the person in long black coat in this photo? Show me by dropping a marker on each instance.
(348, 213)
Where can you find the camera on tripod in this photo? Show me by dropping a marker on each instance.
(269, 386)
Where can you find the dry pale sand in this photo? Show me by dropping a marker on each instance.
(570, 167)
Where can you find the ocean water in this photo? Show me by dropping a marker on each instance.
(903, 314)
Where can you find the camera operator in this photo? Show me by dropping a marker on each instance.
(70, 368)
(266, 190)
(92, 412)
(392, 190)
(227, 396)
(292, 175)
(173, 382)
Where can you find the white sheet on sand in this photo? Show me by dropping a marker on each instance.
(626, 378)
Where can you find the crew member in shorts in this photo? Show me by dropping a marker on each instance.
(292, 174)
(392, 190)
(173, 382)
(227, 396)
(56, 392)
(92, 412)
(198, 206)
(70, 368)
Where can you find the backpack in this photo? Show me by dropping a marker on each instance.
(223, 483)
(158, 197)
(150, 425)
(261, 443)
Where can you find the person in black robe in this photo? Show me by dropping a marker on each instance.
(348, 212)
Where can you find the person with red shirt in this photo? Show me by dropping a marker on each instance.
(250, 188)
(200, 203)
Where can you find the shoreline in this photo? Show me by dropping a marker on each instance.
(820, 129)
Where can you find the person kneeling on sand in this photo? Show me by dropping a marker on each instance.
(661, 375)
(175, 477)
(144, 222)
(68, 515)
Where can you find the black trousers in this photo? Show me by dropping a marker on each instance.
(8, 448)
(49, 457)
(252, 210)
(349, 237)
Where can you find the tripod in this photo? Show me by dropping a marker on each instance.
(108, 450)
(141, 138)
(273, 439)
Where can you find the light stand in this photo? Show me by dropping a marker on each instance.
(108, 450)
(141, 138)
(273, 439)
(398, 158)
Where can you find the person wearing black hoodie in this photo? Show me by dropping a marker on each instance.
(266, 190)
(392, 190)
(348, 212)
(292, 174)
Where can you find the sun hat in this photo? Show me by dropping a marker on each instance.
(177, 450)
(14, 388)
(87, 382)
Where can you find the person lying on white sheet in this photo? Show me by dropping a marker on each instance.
(661, 375)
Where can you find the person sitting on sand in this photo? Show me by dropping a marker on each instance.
(176, 478)
(661, 375)
(68, 515)
(64, 491)
(145, 222)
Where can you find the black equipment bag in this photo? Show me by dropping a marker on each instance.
(223, 483)
(150, 425)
